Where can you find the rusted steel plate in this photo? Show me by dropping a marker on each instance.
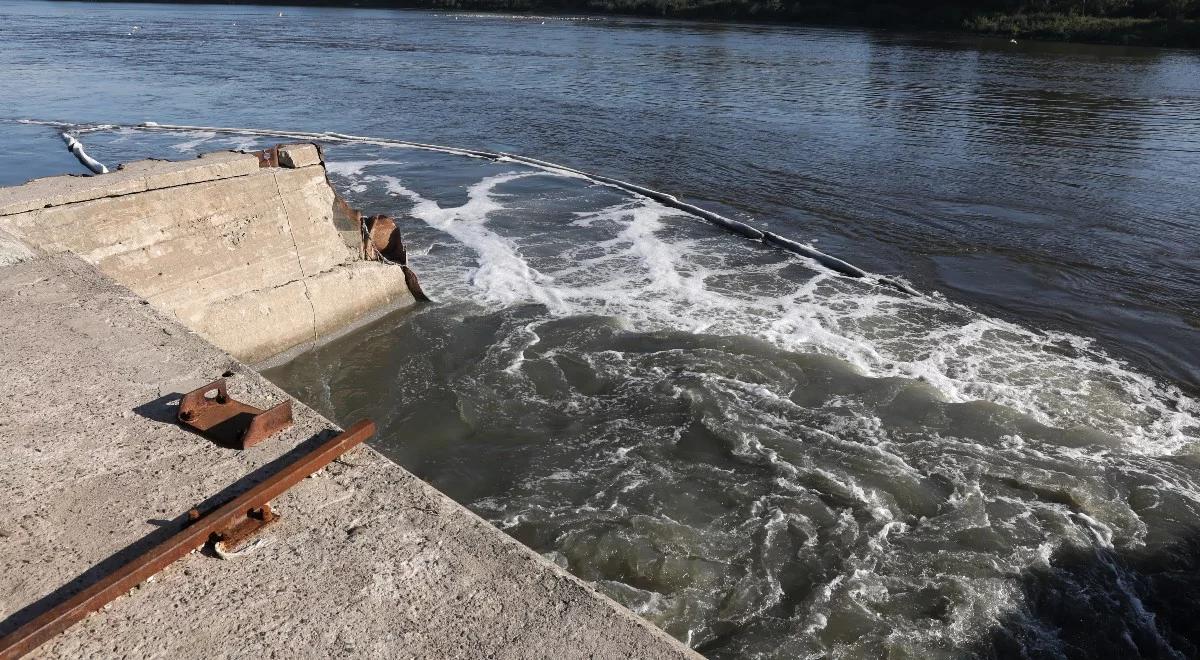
(227, 516)
(385, 239)
(414, 287)
(268, 157)
(228, 422)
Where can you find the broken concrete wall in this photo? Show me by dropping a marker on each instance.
(249, 257)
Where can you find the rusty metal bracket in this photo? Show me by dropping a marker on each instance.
(234, 537)
(268, 157)
(231, 423)
(229, 516)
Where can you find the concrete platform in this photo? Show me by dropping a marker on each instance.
(367, 561)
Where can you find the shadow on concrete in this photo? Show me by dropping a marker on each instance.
(164, 409)
(1099, 603)
(166, 528)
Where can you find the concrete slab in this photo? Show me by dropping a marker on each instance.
(368, 560)
(249, 257)
(135, 177)
(298, 155)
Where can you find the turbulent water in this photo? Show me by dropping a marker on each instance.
(766, 459)
(762, 457)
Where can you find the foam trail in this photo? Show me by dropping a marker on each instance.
(189, 145)
(502, 274)
(650, 284)
(825, 260)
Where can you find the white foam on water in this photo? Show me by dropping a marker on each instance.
(354, 168)
(198, 139)
(651, 283)
(654, 268)
(245, 144)
(212, 140)
(502, 274)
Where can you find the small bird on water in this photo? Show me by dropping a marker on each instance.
(1012, 41)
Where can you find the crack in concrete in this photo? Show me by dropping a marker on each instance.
(272, 287)
(299, 262)
(145, 180)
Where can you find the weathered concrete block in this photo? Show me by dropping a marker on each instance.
(260, 322)
(318, 245)
(132, 178)
(55, 191)
(248, 257)
(363, 287)
(347, 220)
(179, 246)
(209, 167)
(298, 155)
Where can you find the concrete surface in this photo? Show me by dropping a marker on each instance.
(131, 178)
(13, 250)
(367, 560)
(299, 155)
(251, 258)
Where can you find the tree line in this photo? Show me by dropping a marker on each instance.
(917, 11)
(1143, 22)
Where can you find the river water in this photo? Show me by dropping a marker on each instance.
(760, 456)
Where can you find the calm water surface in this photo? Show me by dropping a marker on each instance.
(763, 458)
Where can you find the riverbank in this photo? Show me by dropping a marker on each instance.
(1175, 26)
(1089, 29)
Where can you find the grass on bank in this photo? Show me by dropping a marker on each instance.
(1173, 23)
(1095, 29)
(1066, 23)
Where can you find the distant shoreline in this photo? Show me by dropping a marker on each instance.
(1180, 32)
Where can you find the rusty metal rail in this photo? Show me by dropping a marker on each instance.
(217, 522)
